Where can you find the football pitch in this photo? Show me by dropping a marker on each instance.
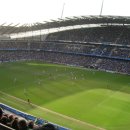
(77, 98)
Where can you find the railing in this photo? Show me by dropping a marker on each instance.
(4, 127)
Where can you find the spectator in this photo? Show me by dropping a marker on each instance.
(22, 124)
(47, 126)
(1, 112)
(4, 120)
(14, 124)
(30, 125)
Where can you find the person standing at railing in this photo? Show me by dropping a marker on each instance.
(1, 112)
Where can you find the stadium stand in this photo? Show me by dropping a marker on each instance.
(107, 34)
(67, 49)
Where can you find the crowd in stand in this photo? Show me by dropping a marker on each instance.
(108, 34)
(116, 65)
(18, 123)
(87, 48)
(106, 48)
(12, 44)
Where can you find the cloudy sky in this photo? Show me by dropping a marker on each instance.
(30, 11)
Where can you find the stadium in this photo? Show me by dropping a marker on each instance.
(69, 73)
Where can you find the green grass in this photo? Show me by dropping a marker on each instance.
(95, 97)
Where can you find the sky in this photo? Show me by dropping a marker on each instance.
(31, 11)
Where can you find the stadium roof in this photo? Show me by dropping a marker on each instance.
(67, 21)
